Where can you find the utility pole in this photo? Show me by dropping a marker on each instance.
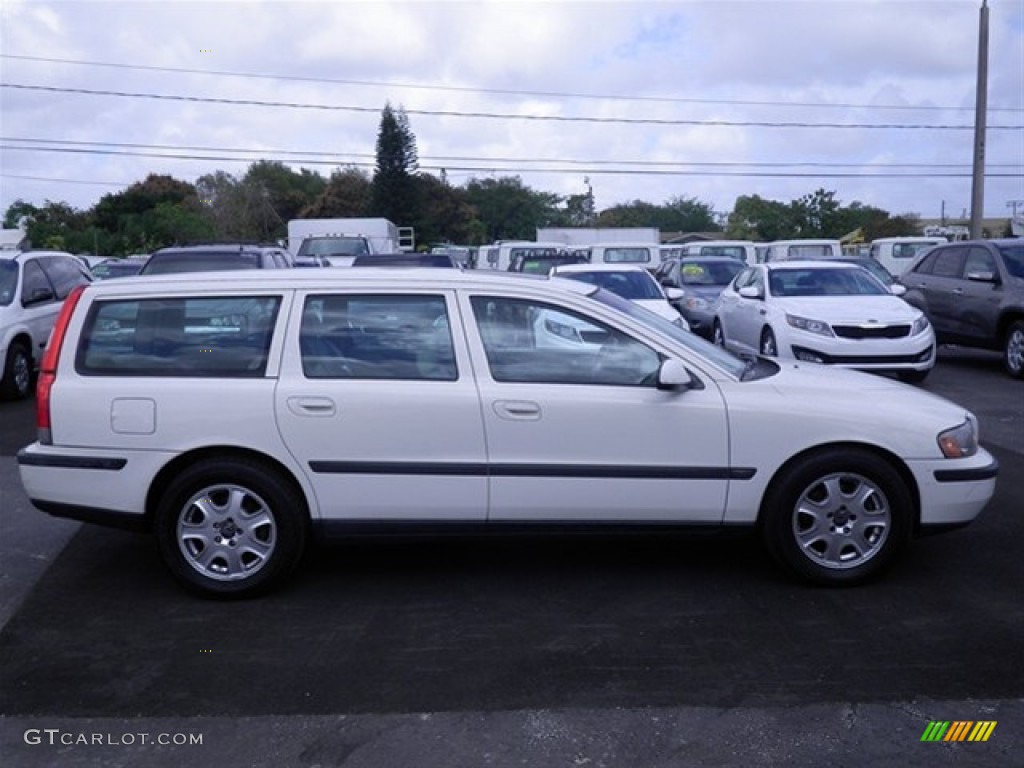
(980, 108)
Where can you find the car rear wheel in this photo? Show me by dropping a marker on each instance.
(837, 517)
(230, 528)
(768, 346)
(1013, 349)
(17, 381)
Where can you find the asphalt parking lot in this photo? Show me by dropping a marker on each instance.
(522, 651)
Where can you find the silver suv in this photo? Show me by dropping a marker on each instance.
(973, 294)
(33, 285)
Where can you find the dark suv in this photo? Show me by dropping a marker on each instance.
(973, 294)
(212, 258)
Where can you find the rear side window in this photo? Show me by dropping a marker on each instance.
(221, 336)
(377, 336)
(64, 273)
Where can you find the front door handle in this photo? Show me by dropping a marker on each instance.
(517, 410)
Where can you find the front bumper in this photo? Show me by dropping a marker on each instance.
(954, 491)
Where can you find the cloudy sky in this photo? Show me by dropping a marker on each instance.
(708, 99)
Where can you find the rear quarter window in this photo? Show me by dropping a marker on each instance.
(182, 336)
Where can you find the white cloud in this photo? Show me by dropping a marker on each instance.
(701, 57)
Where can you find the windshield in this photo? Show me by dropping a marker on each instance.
(8, 281)
(716, 355)
(199, 261)
(627, 255)
(731, 251)
(797, 252)
(824, 281)
(333, 246)
(709, 272)
(1013, 255)
(635, 286)
(874, 268)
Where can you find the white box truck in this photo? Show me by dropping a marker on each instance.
(347, 237)
(593, 235)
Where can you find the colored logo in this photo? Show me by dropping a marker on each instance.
(958, 730)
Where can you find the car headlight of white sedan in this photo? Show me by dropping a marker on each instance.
(920, 325)
(959, 442)
(811, 326)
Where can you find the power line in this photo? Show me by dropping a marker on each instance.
(503, 169)
(505, 116)
(302, 154)
(65, 181)
(495, 91)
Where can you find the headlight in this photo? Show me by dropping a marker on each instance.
(695, 302)
(562, 330)
(959, 442)
(811, 326)
(681, 322)
(920, 326)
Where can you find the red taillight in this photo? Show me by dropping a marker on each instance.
(48, 368)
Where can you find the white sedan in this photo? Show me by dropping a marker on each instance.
(633, 283)
(824, 312)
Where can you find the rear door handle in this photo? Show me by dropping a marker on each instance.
(958, 291)
(517, 410)
(311, 406)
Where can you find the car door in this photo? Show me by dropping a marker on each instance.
(580, 433)
(376, 401)
(978, 297)
(934, 281)
(728, 304)
(39, 303)
(747, 314)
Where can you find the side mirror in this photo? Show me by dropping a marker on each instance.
(673, 375)
(674, 294)
(750, 292)
(897, 290)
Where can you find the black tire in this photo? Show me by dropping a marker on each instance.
(837, 517)
(717, 334)
(1013, 349)
(768, 347)
(17, 381)
(913, 377)
(245, 539)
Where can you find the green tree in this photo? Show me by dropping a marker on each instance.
(445, 214)
(393, 191)
(347, 194)
(509, 209)
(277, 194)
(755, 218)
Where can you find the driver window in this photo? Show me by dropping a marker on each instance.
(532, 342)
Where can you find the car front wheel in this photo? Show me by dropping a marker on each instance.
(837, 517)
(230, 528)
(1013, 349)
(17, 381)
(717, 336)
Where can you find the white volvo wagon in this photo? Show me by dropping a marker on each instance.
(238, 415)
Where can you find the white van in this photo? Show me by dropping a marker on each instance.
(788, 250)
(500, 255)
(897, 253)
(742, 250)
(647, 255)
